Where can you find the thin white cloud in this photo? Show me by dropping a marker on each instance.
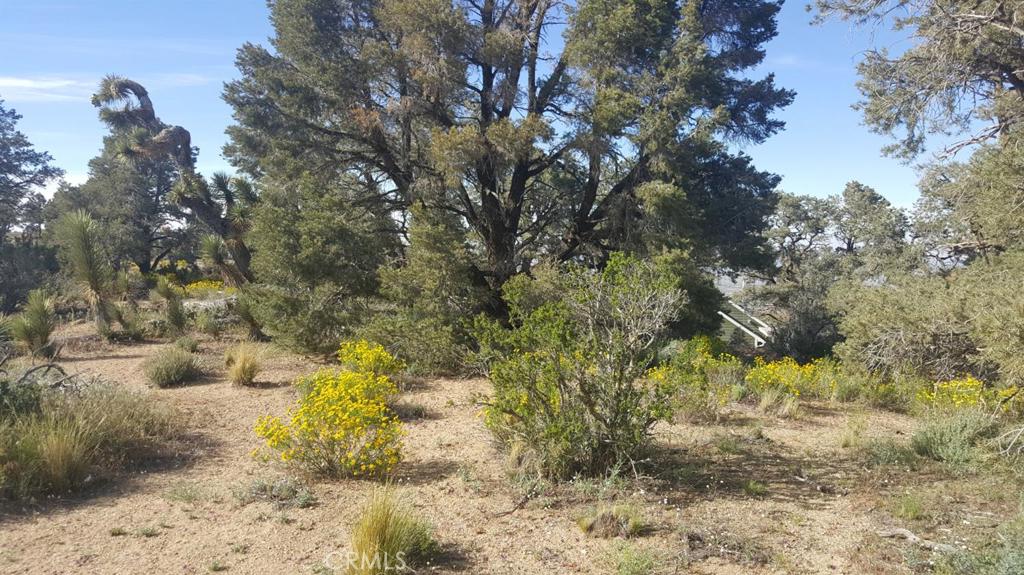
(78, 89)
(792, 62)
(179, 80)
(75, 179)
(43, 89)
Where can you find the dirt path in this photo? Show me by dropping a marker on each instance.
(183, 518)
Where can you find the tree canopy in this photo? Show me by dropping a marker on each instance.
(551, 130)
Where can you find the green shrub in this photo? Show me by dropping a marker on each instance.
(187, 343)
(890, 453)
(283, 492)
(571, 380)
(754, 488)
(73, 434)
(953, 438)
(629, 559)
(430, 297)
(172, 366)
(18, 398)
(707, 378)
(427, 345)
(388, 537)
(243, 363)
(33, 327)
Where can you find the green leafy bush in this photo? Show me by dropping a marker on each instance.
(428, 345)
(187, 343)
(317, 258)
(707, 378)
(573, 392)
(429, 298)
(172, 366)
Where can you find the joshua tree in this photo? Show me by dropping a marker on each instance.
(78, 237)
(126, 107)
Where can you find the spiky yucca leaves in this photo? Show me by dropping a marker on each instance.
(126, 107)
(78, 235)
(215, 254)
(33, 327)
(171, 294)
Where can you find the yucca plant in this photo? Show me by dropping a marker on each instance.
(33, 327)
(78, 236)
(215, 254)
(171, 294)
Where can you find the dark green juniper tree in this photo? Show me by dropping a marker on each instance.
(964, 68)
(130, 202)
(820, 243)
(24, 264)
(549, 130)
(960, 309)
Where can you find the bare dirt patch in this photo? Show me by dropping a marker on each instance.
(749, 495)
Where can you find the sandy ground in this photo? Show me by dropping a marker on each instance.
(819, 515)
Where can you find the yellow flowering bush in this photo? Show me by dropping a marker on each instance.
(816, 379)
(341, 425)
(206, 288)
(363, 356)
(706, 379)
(967, 391)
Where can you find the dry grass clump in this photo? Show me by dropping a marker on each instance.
(187, 343)
(613, 521)
(284, 492)
(244, 363)
(53, 447)
(172, 366)
(775, 401)
(388, 537)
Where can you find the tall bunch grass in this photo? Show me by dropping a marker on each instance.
(172, 366)
(244, 363)
(76, 434)
(388, 537)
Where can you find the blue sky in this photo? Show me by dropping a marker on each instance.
(183, 51)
